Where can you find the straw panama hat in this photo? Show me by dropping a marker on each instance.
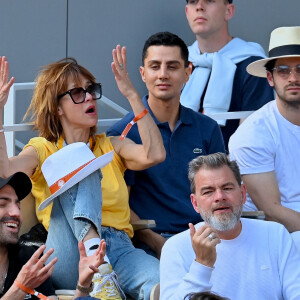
(284, 42)
(66, 167)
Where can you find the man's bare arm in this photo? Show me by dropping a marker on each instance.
(264, 192)
(154, 240)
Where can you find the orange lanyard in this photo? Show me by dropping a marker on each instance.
(92, 142)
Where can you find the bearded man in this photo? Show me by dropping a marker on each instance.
(233, 257)
(267, 145)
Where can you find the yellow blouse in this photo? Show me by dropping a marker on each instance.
(115, 206)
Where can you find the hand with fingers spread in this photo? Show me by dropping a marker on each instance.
(119, 68)
(5, 84)
(35, 271)
(204, 242)
(88, 265)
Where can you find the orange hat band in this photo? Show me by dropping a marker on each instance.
(62, 181)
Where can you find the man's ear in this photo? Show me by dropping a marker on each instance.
(229, 11)
(244, 193)
(186, 10)
(188, 71)
(142, 72)
(194, 203)
(270, 78)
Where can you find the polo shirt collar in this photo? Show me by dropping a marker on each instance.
(184, 113)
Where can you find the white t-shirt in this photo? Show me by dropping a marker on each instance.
(261, 263)
(266, 142)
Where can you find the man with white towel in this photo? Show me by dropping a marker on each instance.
(219, 82)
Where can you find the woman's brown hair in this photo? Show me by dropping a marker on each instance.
(52, 81)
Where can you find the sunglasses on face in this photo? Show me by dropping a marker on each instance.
(78, 94)
(285, 71)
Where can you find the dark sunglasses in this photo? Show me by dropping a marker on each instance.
(78, 94)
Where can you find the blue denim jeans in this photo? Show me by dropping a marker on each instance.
(72, 214)
(137, 271)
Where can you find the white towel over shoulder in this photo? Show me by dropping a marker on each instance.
(220, 68)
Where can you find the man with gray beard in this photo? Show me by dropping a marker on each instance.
(233, 257)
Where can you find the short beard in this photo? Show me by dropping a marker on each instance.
(223, 222)
(10, 238)
(294, 104)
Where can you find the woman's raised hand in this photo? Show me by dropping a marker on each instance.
(119, 68)
(5, 84)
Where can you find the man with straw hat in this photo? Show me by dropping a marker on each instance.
(267, 145)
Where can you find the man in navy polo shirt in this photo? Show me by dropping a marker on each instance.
(162, 192)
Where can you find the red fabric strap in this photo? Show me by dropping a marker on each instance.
(30, 291)
(131, 123)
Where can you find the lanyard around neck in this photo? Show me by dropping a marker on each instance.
(61, 143)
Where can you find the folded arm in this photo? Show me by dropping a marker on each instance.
(154, 240)
(184, 268)
(264, 192)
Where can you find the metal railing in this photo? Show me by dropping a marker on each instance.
(10, 126)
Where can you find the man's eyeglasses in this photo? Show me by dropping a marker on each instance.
(284, 71)
(78, 94)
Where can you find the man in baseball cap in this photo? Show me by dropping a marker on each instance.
(22, 269)
(20, 182)
(19, 263)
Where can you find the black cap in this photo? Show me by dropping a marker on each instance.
(20, 182)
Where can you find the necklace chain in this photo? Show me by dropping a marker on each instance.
(3, 272)
(3, 279)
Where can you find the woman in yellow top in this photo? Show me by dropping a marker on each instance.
(64, 110)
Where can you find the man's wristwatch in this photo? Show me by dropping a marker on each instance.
(85, 290)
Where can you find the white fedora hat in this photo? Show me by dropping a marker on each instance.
(284, 42)
(66, 167)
